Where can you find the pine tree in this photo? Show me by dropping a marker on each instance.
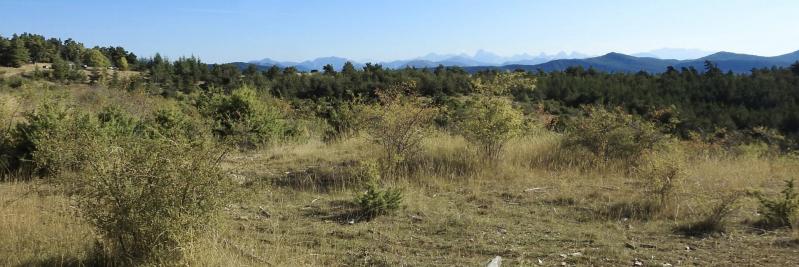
(17, 54)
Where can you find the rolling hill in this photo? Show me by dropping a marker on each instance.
(616, 62)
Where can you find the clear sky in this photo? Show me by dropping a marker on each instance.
(238, 30)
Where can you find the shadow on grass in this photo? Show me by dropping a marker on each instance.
(340, 211)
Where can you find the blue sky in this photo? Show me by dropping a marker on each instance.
(231, 30)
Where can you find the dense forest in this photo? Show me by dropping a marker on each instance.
(686, 100)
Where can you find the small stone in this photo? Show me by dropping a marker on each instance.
(351, 222)
(495, 262)
(638, 263)
(540, 261)
(562, 263)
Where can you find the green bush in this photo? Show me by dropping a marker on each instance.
(242, 118)
(611, 135)
(780, 212)
(489, 123)
(150, 198)
(178, 125)
(344, 117)
(375, 200)
(52, 137)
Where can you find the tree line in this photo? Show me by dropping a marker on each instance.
(687, 101)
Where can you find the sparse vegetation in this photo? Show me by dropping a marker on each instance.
(150, 199)
(399, 123)
(780, 211)
(490, 123)
(191, 164)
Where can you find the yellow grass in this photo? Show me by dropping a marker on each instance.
(458, 210)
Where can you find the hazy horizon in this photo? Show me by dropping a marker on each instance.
(385, 31)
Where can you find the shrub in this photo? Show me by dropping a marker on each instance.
(344, 117)
(660, 175)
(150, 198)
(399, 123)
(242, 118)
(611, 135)
(52, 138)
(6, 120)
(780, 212)
(715, 221)
(490, 123)
(174, 124)
(376, 200)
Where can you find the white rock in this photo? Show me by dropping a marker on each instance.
(495, 262)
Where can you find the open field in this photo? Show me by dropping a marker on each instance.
(528, 215)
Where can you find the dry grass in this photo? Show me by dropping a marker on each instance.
(457, 210)
(40, 228)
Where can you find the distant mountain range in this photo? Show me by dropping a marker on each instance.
(616, 62)
(480, 58)
(655, 61)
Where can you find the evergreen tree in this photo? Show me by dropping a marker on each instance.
(329, 70)
(17, 54)
(795, 68)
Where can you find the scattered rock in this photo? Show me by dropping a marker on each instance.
(637, 262)
(415, 218)
(502, 231)
(495, 262)
(576, 254)
(562, 263)
(540, 261)
(666, 265)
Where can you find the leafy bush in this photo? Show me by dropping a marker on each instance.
(7, 107)
(150, 198)
(178, 125)
(344, 117)
(242, 118)
(399, 123)
(780, 212)
(611, 135)
(490, 123)
(376, 200)
(52, 138)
